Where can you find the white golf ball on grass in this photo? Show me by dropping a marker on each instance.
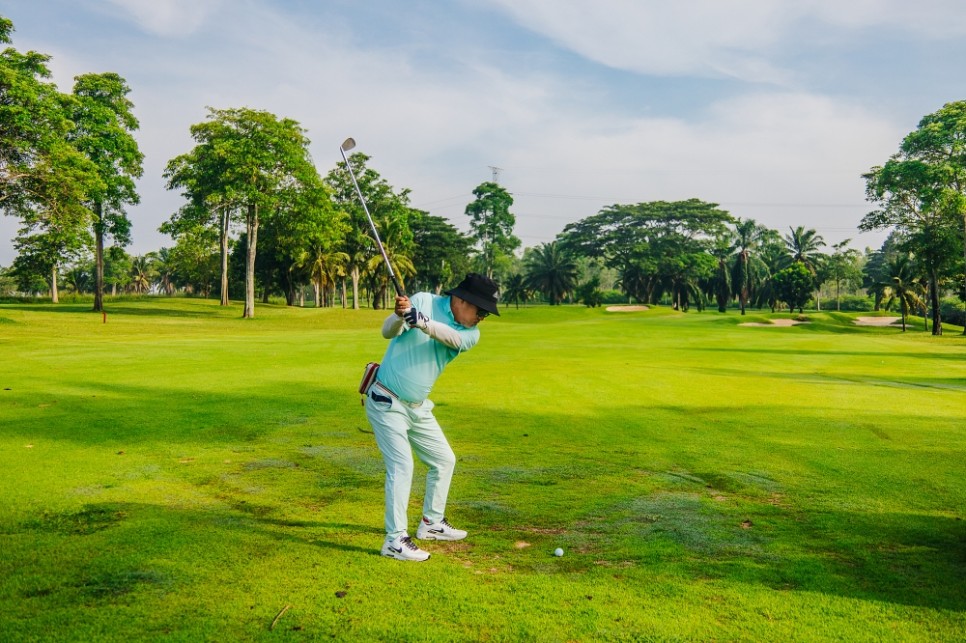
(558, 552)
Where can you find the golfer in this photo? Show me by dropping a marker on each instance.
(427, 331)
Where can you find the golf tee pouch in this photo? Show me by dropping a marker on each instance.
(368, 377)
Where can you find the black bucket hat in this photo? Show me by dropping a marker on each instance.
(480, 291)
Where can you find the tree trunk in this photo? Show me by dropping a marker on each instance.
(251, 224)
(223, 241)
(937, 324)
(54, 299)
(355, 287)
(98, 259)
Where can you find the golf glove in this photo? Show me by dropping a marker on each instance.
(416, 319)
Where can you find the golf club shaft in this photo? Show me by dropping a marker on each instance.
(392, 274)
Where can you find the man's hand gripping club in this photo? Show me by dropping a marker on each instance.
(414, 318)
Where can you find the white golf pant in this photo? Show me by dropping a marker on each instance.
(401, 429)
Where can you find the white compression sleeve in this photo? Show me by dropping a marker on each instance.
(443, 334)
(393, 326)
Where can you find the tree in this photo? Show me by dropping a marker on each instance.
(103, 124)
(902, 285)
(940, 143)
(43, 248)
(908, 192)
(657, 247)
(396, 240)
(36, 160)
(142, 273)
(440, 251)
(720, 284)
(794, 284)
(201, 174)
(384, 204)
(492, 223)
(261, 158)
(193, 262)
(515, 289)
(551, 271)
(843, 267)
(804, 246)
(44, 180)
(748, 271)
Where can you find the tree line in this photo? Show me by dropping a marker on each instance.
(259, 219)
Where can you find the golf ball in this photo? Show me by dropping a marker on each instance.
(558, 552)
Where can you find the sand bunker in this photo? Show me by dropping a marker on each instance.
(625, 309)
(876, 321)
(776, 322)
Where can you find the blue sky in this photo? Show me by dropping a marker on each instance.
(771, 109)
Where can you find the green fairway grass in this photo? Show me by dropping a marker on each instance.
(178, 473)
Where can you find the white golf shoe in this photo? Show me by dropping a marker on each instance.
(441, 530)
(403, 548)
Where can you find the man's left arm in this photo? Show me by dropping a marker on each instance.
(442, 333)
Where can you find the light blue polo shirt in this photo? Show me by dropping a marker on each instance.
(414, 360)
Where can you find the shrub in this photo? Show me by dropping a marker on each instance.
(855, 303)
(952, 311)
(612, 297)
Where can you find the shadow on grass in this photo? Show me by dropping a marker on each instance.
(675, 521)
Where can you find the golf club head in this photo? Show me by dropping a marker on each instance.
(348, 144)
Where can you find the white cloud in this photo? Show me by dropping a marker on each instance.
(735, 39)
(172, 18)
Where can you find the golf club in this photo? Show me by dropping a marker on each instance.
(348, 145)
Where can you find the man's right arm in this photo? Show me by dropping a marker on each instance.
(395, 324)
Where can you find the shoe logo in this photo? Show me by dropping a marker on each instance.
(436, 531)
(398, 551)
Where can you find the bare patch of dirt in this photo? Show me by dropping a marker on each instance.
(876, 321)
(776, 322)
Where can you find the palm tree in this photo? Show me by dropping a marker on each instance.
(164, 271)
(804, 246)
(748, 270)
(902, 284)
(396, 237)
(515, 290)
(720, 284)
(551, 271)
(141, 274)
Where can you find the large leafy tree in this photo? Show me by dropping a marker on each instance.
(201, 174)
(492, 224)
(261, 160)
(44, 179)
(909, 195)
(940, 143)
(46, 250)
(34, 122)
(441, 253)
(305, 227)
(794, 284)
(103, 125)
(657, 248)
